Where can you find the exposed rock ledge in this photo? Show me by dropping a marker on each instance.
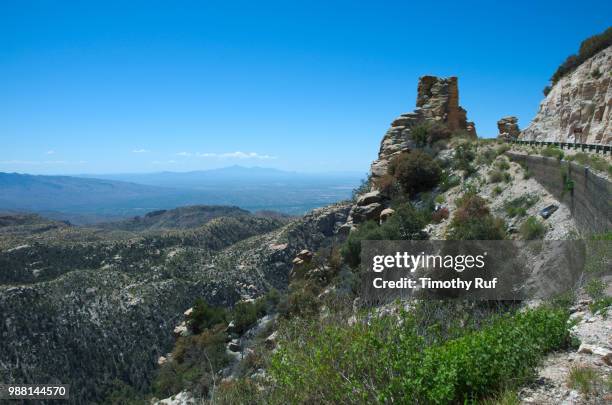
(579, 106)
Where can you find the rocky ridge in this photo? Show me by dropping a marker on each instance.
(578, 108)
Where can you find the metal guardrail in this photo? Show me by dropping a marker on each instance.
(566, 145)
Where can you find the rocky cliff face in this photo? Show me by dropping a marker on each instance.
(579, 106)
(437, 101)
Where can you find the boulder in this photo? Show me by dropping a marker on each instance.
(272, 340)
(604, 353)
(233, 346)
(366, 212)
(300, 263)
(386, 214)
(305, 255)
(369, 198)
(182, 330)
(344, 229)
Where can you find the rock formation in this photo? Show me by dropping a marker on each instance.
(437, 101)
(508, 128)
(579, 106)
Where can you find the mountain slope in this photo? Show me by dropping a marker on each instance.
(30, 192)
(93, 306)
(178, 218)
(96, 305)
(578, 108)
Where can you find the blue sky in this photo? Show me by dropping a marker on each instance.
(131, 86)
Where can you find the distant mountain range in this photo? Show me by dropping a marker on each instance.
(233, 176)
(88, 199)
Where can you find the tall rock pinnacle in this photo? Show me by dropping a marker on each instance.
(437, 102)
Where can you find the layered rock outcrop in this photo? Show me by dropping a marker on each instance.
(578, 108)
(437, 101)
(508, 128)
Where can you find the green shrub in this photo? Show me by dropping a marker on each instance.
(473, 221)
(386, 360)
(487, 156)
(497, 190)
(449, 182)
(241, 391)
(195, 361)
(552, 151)
(518, 207)
(506, 397)
(595, 288)
(246, 313)
(527, 173)
(428, 133)
(532, 229)
(487, 228)
(405, 224)
(595, 162)
(601, 305)
(351, 250)
(502, 149)
(464, 156)
(120, 393)
(387, 185)
(415, 171)
(301, 301)
(568, 183)
(502, 164)
(496, 176)
(419, 134)
(205, 316)
(363, 187)
(583, 378)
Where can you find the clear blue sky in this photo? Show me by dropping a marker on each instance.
(131, 86)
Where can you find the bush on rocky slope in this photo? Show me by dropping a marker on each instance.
(474, 221)
(532, 229)
(406, 223)
(388, 360)
(415, 171)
